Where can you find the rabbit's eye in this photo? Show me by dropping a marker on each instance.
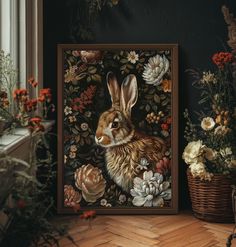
(115, 125)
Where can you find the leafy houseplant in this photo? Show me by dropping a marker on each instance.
(31, 205)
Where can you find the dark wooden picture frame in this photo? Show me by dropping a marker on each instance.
(71, 79)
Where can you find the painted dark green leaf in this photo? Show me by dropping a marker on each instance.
(97, 78)
(75, 83)
(165, 102)
(92, 70)
(152, 91)
(155, 108)
(81, 142)
(74, 131)
(85, 134)
(141, 107)
(130, 66)
(71, 89)
(148, 96)
(162, 96)
(124, 60)
(123, 67)
(88, 79)
(88, 141)
(80, 76)
(71, 59)
(147, 108)
(157, 99)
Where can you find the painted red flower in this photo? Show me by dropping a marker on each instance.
(165, 126)
(163, 166)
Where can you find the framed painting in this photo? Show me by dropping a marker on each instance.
(118, 128)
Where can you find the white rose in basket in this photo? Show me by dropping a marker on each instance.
(193, 152)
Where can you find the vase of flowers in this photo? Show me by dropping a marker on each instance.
(211, 149)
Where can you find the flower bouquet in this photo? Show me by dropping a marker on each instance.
(211, 149)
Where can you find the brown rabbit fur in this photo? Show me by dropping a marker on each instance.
(124, 145)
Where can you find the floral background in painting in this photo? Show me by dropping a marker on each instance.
(86, 181)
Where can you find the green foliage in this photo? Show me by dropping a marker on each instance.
(28, 185)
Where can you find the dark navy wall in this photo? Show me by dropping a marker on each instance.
(197, 26)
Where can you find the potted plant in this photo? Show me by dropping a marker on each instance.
(211, 149)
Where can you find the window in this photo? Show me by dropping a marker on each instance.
(21, 35)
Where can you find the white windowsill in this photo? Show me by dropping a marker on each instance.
(10, 142)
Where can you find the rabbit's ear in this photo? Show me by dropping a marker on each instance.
(114, 89)
(129, 94)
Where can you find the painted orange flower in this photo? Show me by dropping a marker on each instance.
(166, 85)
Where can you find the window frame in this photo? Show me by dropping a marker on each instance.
(25, 39)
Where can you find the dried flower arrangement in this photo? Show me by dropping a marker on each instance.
(212, 143)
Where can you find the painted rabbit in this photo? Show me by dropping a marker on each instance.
(125, 147)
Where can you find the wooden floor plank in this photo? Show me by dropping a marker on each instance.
(181, 230)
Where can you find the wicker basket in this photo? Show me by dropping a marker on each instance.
(212, 200)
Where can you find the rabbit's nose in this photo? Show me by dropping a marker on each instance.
(98, 139)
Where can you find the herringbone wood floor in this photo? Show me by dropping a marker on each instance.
(181, 230)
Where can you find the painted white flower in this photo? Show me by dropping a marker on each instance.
(122, 198)
(132, 57)
(72, 155)
(226, 151)
(193, 152)
(88, 114)
(208, 123)
(103, 202)
(65, 159)
(151, 190)
(108, 205)
(165, 133)
(73, 148)
(143, 165)
(67, 110)
(84, 126)
(155, 69)
(210, 154)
